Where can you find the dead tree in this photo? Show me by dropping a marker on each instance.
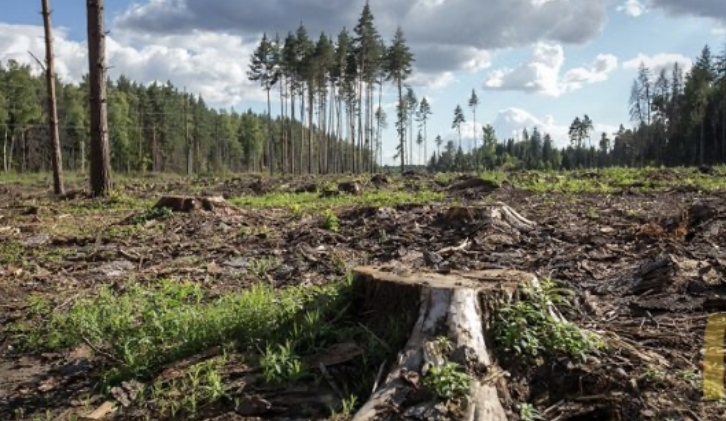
(100, 157)
(52, 108)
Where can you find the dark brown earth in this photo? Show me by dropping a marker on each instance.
(647, 269)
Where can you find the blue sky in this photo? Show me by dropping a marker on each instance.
(532, 62)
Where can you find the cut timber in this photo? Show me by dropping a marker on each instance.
(453, 305)
(215, 204)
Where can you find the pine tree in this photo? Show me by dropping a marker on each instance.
(424, 111)
(411, 107)
(399, 62)
(474, 104)
(459, 119)
(439, 141)
(265, 70)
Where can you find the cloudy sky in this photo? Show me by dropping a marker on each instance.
(533, 62)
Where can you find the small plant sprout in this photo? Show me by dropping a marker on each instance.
(527, 412)
(330, 221)
(448, 381)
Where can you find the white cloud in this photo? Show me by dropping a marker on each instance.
(510, 122)
(432, 80)
(659, 61)
(445, 35)
(633, 8)
(16, 41)
(542, 73)
(199, 61)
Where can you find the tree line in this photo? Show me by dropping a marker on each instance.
(679, 119)
(334, 87)
(330, 119)
(157, 128)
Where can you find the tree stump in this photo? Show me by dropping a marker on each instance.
(454, 305)
(187, 204)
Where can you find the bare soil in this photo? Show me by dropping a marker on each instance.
(647, 269)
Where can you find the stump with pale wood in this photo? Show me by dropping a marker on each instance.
(454, 305)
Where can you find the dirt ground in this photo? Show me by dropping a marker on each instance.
(647, 269)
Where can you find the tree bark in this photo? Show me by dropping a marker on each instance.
(448, 305)
(52, 109)
(270, 137)
(5, 149)
(100, 158)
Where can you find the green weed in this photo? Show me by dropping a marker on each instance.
(280, 364)
(448, 381)
(527, 412)
(151, 214)
(330, 221)
(527, 328)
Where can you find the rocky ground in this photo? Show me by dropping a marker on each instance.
(643, 257)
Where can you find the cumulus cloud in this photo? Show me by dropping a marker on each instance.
(542, 74)
(207, 63)
(17, 40)
(659, 61)
(510, 122)
(633, 8)
(432, 80)
(445, 35)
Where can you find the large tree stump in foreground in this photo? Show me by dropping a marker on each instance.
(454, 305)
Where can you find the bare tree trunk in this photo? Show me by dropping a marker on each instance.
(187, 140)
(293, 168)
(311, 107)
(100, 157)
(283, 144)
(302, 124)
(402, 128)
(270, 136)
(12, 149)
(5, 149)
(52, 109)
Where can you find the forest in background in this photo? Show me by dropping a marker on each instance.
(331, 120)
(679, 119)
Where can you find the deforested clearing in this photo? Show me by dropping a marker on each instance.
(588, 302)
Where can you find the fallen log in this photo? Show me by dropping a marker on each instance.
(455, 306)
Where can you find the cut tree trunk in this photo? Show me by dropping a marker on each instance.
(52, 109)
(453, 305)
(100, 154)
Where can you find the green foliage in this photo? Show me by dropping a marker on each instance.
(201, 385)
(151, 214)
(145, 328)
(10, 252)
(280, 364)
(527, 327)
(448, 381)
(330, 221)
(527, 412)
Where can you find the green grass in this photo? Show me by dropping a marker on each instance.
(11, 252)
(612, 180)
(298, 202)
(142, 329)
